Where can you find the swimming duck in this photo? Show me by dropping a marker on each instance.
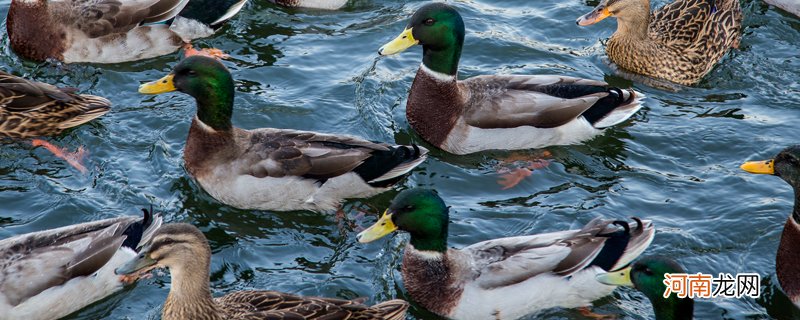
(184, 250)
(33, 109)
(107, 31)
(647, 276)
(681, 42)
(50, 274)
(275, 169)
(312, 4)
(790, 6)
(786, 165)
(506, 112)
(504, 278)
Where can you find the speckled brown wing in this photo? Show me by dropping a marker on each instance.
(679, 23)
(542, 101)
(279, 153)
(30, 108)
(98, 18)
(260, 305)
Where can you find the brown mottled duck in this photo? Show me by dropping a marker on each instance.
(681, 42)
(184, 250)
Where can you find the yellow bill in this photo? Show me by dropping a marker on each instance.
(162, 85)
(378, 230)
(620, 277)
(404, 41)
(759, 167)
(598, 14)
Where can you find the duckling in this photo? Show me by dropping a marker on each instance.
(681, 42)
(505, 278)
(786, 165)
(647, 276)
(52, 273)
(497, 112)
(184, 250)
(275, 169)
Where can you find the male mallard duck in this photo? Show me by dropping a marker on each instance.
(786, 166)
(313, 4)
(275, 169)
(106, 31)
(647, 276)
(497, 111)
(50, 274)
(33, 109)
(504, 278)
(680, 42)
(184, 250)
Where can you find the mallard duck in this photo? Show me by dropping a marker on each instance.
(647, 276)
(791, 6)
(786, 165)
(34, 109)
(107, 31)
(275, 169)
(680, 42)
(504, 278)
(184, 250)
(313, 4)
(497, 111)
(50, 274)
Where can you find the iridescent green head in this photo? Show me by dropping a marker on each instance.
(647, 275)
(440, 30)
(421, 213)
(205, 79)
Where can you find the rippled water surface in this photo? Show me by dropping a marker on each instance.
(675, 162)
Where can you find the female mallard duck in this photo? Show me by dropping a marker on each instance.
(106, 31)
(503, 278)
(34, 109)
(184, 250)
(313, 4)
(275, 169)
(497, 112)
(680, 42)
(786, 166)
(647, 276)
(50, 274)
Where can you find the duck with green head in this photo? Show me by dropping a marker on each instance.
(786, 165)
(275, 169)
(505, 278)
(506, 112)
(647, 276)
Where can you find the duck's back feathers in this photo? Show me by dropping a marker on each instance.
(35, 262)
(507, 261)
(97, 18)
(259, 305)
(29, 108)
(212, 12)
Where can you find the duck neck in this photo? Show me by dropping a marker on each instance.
(634, 24)
(443, 60)
(674, 308)
(190, 296)
(215, 106)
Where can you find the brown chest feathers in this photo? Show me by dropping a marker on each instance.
(430, 282)
(788, 259)
(33, 32)
(433, 107)
(205, 148)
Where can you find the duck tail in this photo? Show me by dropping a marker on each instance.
(616, 107)
(86, 108)
(140, 232)
(386, 168)
(623, 245)
(392, 309)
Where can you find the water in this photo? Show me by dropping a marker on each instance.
(676, 162)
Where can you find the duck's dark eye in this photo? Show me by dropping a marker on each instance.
(192, 73)
(429, 22)
(648, 272)
(408, 208)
